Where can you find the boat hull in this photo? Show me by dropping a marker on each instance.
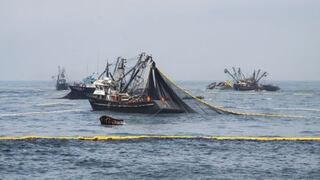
(244, 88)
(140, 107)
(80, 92)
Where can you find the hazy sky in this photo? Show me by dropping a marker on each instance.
(189, 40)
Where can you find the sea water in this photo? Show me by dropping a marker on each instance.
(35, 108)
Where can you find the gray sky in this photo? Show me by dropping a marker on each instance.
(190, 40)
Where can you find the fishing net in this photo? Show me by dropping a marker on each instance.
(161, 88)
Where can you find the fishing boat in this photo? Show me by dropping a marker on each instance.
(125, 90)
(249, 83)
(61, 83)
(83, 89)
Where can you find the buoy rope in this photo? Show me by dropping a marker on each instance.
(156, 137)
(228, 111)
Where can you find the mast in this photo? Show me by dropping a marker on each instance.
(106, 71)
(122, 75)
(254, 75)
(235, 73)
(116, 66)
(263, 75)
(258, 73)
(227, 72)
(137, 69)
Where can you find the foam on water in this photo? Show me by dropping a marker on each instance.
(303, 94)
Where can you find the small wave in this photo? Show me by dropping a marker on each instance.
(267, 99)
(298, 109)
(244, 93)
(255, 93)
(40, 113)
(20, 90)
(55, 104)
(303, 94)
(240, 107)
(288, 109)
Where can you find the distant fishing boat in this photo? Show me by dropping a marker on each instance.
(244, 83)
(83, 89)
(61, 83)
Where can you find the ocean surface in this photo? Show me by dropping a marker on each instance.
(35, 108)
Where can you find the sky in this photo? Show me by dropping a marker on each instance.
(189, 39)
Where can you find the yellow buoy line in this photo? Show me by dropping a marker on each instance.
(228, 111)
(157, 137)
